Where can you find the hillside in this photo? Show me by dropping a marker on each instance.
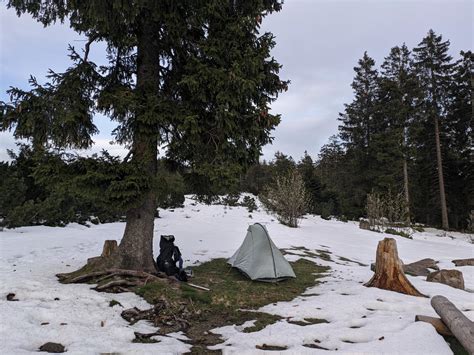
(360, 319)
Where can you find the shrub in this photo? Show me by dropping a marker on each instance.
(250, 203)
(207, 199)
(287, 198)
(231, 199)
(342, 218)
(385, 210)
(398, 232)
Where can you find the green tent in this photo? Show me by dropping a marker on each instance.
(259, 258)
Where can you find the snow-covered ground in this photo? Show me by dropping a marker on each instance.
(361, 319)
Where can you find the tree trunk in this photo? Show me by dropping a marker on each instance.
(457, 322)
(407, 191)
(442, 194)
(135, 251)
(389, 273)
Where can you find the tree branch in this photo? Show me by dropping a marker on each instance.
(92, 39)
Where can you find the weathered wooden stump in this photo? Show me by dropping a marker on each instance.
(110, 246)
(389, 273)
(457, 322)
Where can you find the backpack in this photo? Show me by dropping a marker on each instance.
(166, 261)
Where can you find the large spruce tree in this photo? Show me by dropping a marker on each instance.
(459, 142)
(357, 131)
(398, 101)
(434, 70)
(194, 75)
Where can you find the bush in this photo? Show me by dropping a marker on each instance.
(325, 216)
(250, 203)
(342, 218)
(231, 199)
(207, 199)
(170, 189)
(418, 228)
(385, 210)
(287, 198)
(398, 232)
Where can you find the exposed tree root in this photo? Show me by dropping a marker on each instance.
(109, 273)
(115, 283)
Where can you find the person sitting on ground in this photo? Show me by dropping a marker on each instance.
(169, 256)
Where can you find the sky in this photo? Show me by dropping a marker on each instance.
(318, 44)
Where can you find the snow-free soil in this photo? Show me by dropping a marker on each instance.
(360, 319)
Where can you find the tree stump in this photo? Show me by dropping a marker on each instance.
(110, 246)
(389, 273)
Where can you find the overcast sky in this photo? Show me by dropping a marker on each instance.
(318, 44)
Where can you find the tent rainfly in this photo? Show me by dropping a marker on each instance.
(259, 258)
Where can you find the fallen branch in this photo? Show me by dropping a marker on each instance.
(199, 287)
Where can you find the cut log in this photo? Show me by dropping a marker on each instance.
(437, 323)
(110, 246)
(389, 273)
(457, 322)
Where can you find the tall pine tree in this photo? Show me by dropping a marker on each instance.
(357, 130)
(398, 101)
(193, 75)
(434, 69)
(459, 142)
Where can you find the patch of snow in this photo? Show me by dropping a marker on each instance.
(361, 319)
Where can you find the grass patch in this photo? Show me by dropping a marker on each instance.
(271, 347)
(351, 261)
(317, 253)
(115, 303)
(145, 341)
(308, 321)
(232, 300)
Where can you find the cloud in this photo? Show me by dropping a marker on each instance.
(318, 44)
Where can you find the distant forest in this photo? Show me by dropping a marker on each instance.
(408, 130)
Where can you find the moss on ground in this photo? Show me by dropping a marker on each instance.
(232, 299)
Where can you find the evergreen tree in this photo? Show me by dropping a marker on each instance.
(256, 178)
(398, 102)
(434, 69)
(331, 168)
(306, 168)
(194, 75)
(458, 142)
(282, 164)
(357, 130)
